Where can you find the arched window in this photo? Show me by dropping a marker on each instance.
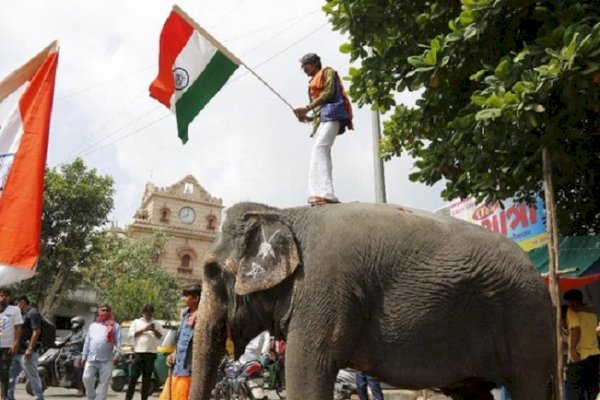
(211, 222)
(186, 261)
(165, 213)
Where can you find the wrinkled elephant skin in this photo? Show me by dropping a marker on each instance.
(418, 300)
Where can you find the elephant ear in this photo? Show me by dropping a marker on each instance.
(270, 253)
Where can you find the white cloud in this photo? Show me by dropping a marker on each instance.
(245, 145)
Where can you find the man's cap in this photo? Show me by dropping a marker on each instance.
(310, 58)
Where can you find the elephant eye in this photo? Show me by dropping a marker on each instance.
(212, 270)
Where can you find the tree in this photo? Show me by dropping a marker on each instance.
(501, 80)
(77, 202)
(127, 275)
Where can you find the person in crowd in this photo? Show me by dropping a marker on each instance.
(26, 358)
(100, 351)
(146, 333)
(256, 348)
(178, 385)
(362, 381)
(75, 341)
(584, 354)
(331, 115)
(11, 322)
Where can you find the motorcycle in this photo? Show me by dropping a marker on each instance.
(240, 381)
(345, 385)
(56, 367)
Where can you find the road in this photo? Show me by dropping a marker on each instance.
(61, 394)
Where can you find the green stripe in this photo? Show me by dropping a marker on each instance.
(208, 83)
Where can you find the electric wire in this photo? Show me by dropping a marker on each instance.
(112, 133)
(101, 128)
(127, 135)
(264, 28)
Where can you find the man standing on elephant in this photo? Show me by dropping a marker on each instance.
(332, 114)
(584, 354)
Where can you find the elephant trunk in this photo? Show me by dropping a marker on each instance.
(209, 346)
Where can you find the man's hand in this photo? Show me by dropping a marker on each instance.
(171, 360)
(300, 113)
(14, 348)
(575, 356)
(28, 353)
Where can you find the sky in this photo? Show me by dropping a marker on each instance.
(246, 145)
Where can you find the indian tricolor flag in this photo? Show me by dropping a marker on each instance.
(193, 67)
(23, 148)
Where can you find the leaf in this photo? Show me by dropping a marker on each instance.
(488, 113)
(346, 48)
(503, 69)
(466, 17)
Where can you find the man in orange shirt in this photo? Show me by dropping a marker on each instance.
(331, 115)
(584, 355)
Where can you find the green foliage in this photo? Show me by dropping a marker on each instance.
(77, 202)
(500, 80)
(127, 275)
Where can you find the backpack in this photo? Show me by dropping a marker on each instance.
(48, 335)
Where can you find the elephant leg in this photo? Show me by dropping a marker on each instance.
(308, 375)
(530, 387)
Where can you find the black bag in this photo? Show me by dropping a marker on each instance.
(48, 335)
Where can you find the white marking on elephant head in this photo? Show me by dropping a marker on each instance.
(266, 249)
(257, 269)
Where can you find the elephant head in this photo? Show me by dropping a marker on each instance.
(245, 287)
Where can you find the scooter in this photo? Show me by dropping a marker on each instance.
(56, 368)
(122, 369)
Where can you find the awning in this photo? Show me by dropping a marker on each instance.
(580, 252)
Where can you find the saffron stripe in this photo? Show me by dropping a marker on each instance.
(173, 38)
(208, 83)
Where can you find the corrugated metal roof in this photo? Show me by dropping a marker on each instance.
(579, 252)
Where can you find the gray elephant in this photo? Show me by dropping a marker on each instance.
(418, 300)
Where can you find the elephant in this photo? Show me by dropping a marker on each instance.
(415, 299)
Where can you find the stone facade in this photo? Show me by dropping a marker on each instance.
(189, 216)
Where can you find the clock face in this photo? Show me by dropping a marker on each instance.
(187, 215)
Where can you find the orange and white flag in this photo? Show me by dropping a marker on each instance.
(23, 149)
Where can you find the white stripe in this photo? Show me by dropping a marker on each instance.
(193, 58)
(9, 274)
(11, 133)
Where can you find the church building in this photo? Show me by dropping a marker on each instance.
(189, 216)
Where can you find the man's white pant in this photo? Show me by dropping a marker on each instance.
(101, 368)
(320, 182)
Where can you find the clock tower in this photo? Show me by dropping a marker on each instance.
(189, 216)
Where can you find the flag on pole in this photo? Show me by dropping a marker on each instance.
(23, 148)
(193, 67)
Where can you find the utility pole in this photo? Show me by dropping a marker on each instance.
(377, 161)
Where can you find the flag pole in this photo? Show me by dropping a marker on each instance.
(226, 52)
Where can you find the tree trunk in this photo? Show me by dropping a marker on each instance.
(553, 253)
(51, 298)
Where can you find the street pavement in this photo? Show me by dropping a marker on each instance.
(54, 393)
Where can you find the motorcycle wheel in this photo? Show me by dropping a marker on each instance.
(118, 383)
(28, 388)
